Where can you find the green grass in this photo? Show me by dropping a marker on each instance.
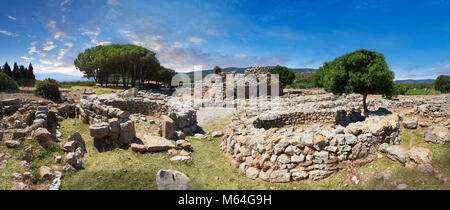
(98, 90)
(124, 169)
(441, 153)
(422, 92)
(41, 157)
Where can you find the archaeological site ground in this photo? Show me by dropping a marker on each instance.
(303, 139)
(224, 103)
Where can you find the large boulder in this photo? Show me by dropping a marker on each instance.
(157, 143)
(74, 159)
(78, 141)
(420, 155)
(411, 123)
(26, 154)
(43, 136)
(12, 143)
(395, 152)
(127, 132)
(172, 180)
(114, 128)
(438, 135)
(99, 130)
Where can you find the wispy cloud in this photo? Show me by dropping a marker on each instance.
(11, 17)
(62, 52)
(45, 62)
(7, 33)
(113, 2)
(195, 39)
(28, 59)
(442, 69)
(48, 46)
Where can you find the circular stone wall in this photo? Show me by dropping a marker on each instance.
(304, 152)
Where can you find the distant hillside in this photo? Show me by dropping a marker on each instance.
(415, 81)
(242, 70)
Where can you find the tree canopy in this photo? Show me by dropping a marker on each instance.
(217, 70)
(363, 71)
(286, 76)
(131, 62)
(442, 83)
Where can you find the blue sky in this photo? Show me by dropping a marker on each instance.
(414, 36)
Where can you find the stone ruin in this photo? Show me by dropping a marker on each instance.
(109, 119)
(313, 136)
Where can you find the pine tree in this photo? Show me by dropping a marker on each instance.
(22, 71)
(30, 73)
(7, 69)
(16, 71)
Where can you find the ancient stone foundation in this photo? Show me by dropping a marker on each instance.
(310, 152)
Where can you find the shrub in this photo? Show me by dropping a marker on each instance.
(442, 83)
(7, 83)
(286, 76)
(399, 89)
(48, 88)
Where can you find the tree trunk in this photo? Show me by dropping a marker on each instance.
(366, 111)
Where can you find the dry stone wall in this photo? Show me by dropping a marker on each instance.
(292, 154)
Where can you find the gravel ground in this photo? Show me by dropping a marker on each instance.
(207, 115)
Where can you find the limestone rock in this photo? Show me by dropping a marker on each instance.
(411, 123)
(395, 152)
(280, 176)
(420, 155)
(168, 127)
(157, 143)
(45, 172)
(12, 143)
(172, 180)
(99, 130)
(127, 132)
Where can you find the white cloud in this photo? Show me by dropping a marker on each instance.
(45, 62)
(64, 4)
(62, 52)
(104, 43)
(27, 58)
(442, 69)
(113, 2)
(11, 17)
(52, 24)
(48, 46)
(195, 40)
(60, 35)
(7, 33)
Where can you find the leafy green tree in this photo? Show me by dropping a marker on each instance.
(286, 76)
(442, 83)
(363, 71)
(217, 70)
(7, 69)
